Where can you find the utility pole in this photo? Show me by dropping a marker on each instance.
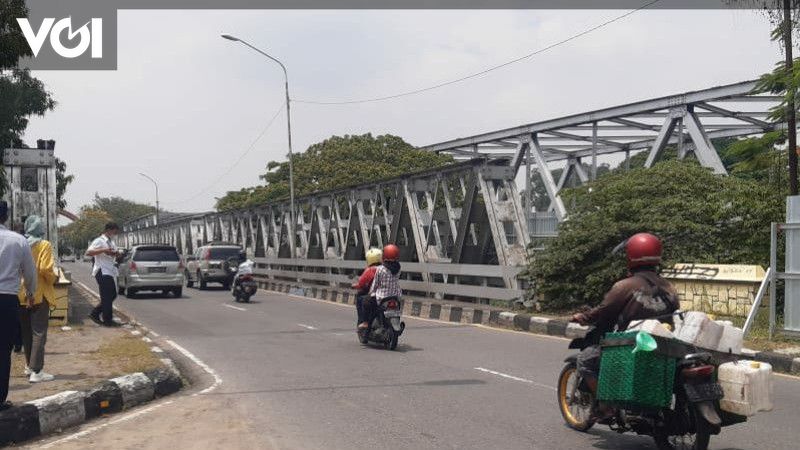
(791, 118)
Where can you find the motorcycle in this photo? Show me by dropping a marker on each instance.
(386, 327)
(687, 424)
(243, 285)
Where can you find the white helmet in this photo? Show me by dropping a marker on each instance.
(374, 256)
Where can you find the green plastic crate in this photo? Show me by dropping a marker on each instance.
(643, 379)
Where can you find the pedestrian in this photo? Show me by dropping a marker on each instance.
(15, 257)
(104, 270)
(35, 316)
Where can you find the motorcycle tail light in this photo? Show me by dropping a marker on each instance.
(392, 304)
(697, 372)
(247, 278)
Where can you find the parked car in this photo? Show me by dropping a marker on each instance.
(87, 258)
(151, 267)
(68, 258)
(207, 264)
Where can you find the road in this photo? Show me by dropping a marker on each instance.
(292, 370)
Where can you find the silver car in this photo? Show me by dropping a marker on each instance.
(151, 268)
(208, 264)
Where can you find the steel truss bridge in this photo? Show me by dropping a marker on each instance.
(462, 229)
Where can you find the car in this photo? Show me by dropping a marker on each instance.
(207, 264)
(151, 267)
(68, 258)
(87, 258)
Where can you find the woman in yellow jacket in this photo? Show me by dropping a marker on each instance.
(35, 315)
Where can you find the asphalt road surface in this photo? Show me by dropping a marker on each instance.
(293, 373)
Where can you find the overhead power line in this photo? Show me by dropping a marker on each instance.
(482, 72)
(238, 160)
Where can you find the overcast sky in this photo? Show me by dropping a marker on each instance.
(184, 104)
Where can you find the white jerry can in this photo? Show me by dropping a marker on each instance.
(653, 327)
(747, 386)
(698, 329)
(731, 340)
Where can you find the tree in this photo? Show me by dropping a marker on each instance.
(21, 95)
(90, 224)
(785, 78)
(334, 163)
(62, 181)
(120, 210)
(701, 217)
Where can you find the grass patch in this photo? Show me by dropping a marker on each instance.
(128, 354)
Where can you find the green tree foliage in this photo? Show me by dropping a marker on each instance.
(90, 224)
(334, 163)
(120, 210)
(21, 95)
(701, 217)
(62, 181)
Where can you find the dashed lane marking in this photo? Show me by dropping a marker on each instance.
(512, 377)
(307, 327)
(233, 307)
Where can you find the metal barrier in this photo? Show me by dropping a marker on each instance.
(461, 230)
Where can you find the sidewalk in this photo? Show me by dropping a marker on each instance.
(81, 356)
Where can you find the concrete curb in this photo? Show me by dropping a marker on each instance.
(482, 314)
(69, 408)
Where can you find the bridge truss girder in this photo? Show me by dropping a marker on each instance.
(689, 121)
(467, 213)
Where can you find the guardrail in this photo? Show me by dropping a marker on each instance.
(462, 282)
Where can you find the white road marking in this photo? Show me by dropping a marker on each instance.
(154, 333)
(90, 430)
(204, 366)
(512, 377)
(308, 327)
(233, 307)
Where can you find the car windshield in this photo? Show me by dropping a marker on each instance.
(224, 252)
(156, 254)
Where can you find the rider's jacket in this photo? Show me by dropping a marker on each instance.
(643, 295)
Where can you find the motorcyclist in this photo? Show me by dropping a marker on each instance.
(385, 285)
(364, 283)
(244, 267)
(642, 295)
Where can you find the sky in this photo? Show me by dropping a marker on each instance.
(185, 105)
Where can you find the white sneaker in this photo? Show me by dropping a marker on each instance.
(41, 377)
(28, 371)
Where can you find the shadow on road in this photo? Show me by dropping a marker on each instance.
(609, 440)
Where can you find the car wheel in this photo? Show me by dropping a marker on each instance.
(203, 283)
(120, 288)
(227, 286)
(130, 292)
(189, 282)
(178, 292)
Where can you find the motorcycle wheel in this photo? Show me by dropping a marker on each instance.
(391, 336)
(393, 340)
(575, 405)
(692, 441)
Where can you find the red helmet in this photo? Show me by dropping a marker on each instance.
(391, 252)
(643, 249)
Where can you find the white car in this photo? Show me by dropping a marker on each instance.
(68, 258)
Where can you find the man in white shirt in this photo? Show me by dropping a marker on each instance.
(105, 272)
(15, 258)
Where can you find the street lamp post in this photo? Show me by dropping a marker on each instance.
(292, 235)
(156, 185)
